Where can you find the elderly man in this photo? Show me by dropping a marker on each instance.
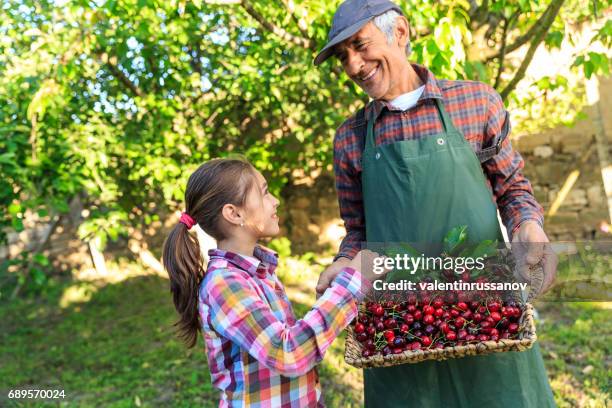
(426, 155)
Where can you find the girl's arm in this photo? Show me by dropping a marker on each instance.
(240, 315)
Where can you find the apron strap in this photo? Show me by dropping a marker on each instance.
(369, 139)
(360, 128)
(447, 122)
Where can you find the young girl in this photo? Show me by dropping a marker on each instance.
(259, 355)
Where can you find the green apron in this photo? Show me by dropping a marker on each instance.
(416, 191)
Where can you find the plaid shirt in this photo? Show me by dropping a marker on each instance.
(476, 110)
(259, 355)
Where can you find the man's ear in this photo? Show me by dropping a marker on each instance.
(402, 31)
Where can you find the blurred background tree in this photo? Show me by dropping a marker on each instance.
(115, 103)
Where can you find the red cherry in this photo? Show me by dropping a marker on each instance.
(477, 317)
(451, 336)
(495, 316)
(494, 332)
(462, 306)
(364, 319)
(486, 324)
(444, 327)
(408, 318)
(415, 345)
(379, 311)
(428, 310)
(390, 323)
(462, 334)
(482, 309)
(389, 335)
(417, 315)
(482, 337)
(428, 319)
(411, 308)
(404, 328)
(494, 337)
(454, 312)
(426, 340)
(361, 337)
(359, 328)
(513, 328)
(439, 312)
(459, 322)
(438, 302)
(398, 350)
(470, 337)
(371, 331)
(380, 326)
(493, 306)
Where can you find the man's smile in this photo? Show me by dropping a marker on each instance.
(369, 75)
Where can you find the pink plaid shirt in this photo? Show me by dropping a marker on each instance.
(259, 355)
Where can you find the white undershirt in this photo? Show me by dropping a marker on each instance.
(408, 100)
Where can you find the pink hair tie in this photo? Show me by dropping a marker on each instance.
(187, 220)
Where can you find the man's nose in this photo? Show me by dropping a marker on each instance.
(353, 64)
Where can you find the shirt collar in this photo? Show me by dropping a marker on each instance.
(266, 260)
(431, 91)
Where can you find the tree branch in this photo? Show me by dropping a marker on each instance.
(502, 51)
(523, 39)
(303, 42)
(300, 23)
(554, 7)
(118, 74)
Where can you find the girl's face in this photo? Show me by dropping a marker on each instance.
(260, 209)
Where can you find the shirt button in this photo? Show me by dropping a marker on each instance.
(377, 155)
(440, 141)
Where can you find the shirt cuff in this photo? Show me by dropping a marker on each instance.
(520, 223)
(354, 282)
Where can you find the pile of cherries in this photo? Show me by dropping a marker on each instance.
(394, 326)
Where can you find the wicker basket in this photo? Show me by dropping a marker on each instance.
(526, 339)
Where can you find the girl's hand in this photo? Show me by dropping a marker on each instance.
(370, 264)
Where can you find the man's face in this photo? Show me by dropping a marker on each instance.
(372, 63)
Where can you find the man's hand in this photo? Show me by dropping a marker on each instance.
(534, 247)
(329, 274)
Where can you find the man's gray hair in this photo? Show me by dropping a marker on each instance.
(386, 23)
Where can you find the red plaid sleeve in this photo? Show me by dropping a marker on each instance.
(512, 190)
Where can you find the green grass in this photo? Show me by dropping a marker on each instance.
(116, 348)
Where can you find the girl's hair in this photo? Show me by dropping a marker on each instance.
(210, 187)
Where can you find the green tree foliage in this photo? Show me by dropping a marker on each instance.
(118, 101)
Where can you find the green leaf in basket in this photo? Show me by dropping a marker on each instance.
(454, 239)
